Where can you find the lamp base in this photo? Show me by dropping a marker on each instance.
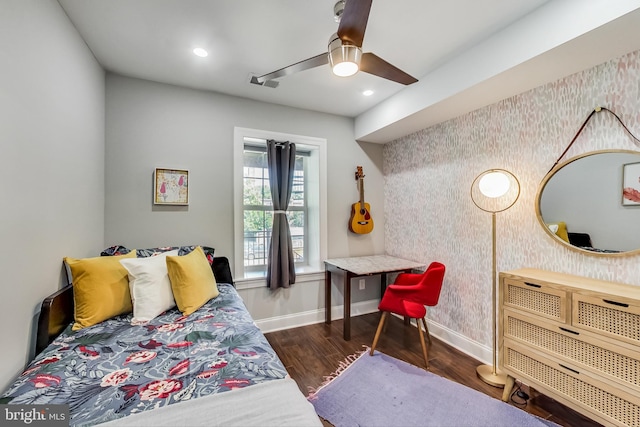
(485, 373)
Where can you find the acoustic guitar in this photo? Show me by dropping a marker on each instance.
(361, 221)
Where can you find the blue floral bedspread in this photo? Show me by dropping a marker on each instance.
(114, 369)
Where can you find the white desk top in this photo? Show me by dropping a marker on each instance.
(373, 264)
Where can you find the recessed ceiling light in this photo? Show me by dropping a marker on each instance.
(367, 92)
(200, 52)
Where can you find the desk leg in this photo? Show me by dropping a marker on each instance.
(407, 320)
(327, 297)
(383, 284)
(347, 305)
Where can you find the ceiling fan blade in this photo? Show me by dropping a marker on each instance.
(377, 66)
(316, 61)
(353, 21)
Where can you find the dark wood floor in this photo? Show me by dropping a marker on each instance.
(312, 352)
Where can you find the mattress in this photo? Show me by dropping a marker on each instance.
(114, 369)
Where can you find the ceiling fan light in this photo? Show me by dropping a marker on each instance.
(345, 69)
(344, 59)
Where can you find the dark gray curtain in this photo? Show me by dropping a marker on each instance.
(281, 158)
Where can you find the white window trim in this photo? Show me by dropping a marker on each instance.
(239, 134)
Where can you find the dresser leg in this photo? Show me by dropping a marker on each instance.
(507, 388)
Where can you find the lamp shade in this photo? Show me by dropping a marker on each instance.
(494, 184)
(495, 190)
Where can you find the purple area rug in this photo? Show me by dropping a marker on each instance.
(381, 391)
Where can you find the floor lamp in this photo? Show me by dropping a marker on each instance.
(494, 190)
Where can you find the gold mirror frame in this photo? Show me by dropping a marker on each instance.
(555, 237)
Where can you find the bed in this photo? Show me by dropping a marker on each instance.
(210, 367)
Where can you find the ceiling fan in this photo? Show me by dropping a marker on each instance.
(345, 50)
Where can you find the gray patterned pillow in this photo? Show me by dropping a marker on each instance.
(143, 253)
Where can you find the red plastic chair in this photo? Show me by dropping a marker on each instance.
(408, 297)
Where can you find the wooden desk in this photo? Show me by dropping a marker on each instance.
(359, 267)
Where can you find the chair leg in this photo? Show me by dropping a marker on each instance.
(378, 331)
(424, 346)
(426, 328)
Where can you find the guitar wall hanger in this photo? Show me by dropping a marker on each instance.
(361, 221)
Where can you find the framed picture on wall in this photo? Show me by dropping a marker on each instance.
(171, 187)
(631, 184)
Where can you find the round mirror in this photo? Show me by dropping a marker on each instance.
(591, 203)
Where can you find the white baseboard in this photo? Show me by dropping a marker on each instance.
(464, 344)
(304, 318)
(451, 337)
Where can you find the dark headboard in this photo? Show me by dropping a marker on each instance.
(57, 309)
(222, 270)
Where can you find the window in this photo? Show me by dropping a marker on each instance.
(306, 212)
(257, 207)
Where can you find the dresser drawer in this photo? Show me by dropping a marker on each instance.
(535, 297)
(573, 338)
(608, 316)
(605, 403)
(585, 350)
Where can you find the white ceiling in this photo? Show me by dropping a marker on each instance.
(153, 40)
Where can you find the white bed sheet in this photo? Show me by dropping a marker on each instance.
(274, 403)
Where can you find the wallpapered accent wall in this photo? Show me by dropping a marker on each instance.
(427, 177)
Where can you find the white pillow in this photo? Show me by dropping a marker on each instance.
(149, 286)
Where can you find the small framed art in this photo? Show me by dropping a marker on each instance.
(171, 187)
(631, 184)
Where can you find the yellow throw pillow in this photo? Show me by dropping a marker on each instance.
(562, 231)
(192, 280)
(100, 289)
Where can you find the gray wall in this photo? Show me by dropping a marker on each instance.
(153, 125)
(52, 157)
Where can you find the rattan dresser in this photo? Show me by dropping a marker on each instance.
(574, 339)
